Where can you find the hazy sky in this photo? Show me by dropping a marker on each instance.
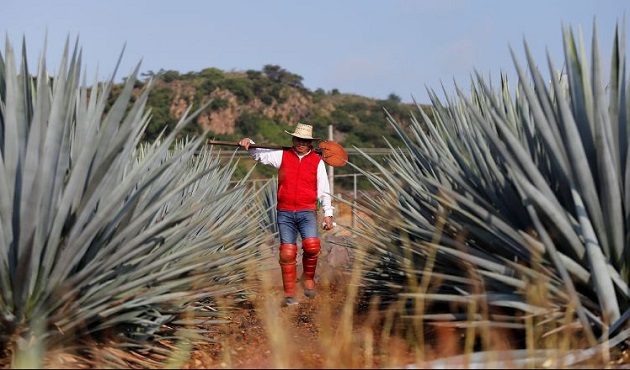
(366, 47)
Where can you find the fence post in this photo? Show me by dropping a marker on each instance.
(354, 203)
(331, 169)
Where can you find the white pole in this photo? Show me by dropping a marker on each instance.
(354, 202)
(331, 169)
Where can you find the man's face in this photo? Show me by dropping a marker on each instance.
(301, 146)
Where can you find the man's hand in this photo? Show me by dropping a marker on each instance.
(245, 143)
(328, 223)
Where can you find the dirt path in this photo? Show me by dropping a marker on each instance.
(315, 334)
(312, 335)
(260, 337)
(263, 334)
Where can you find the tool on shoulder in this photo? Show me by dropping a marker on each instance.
(333, 154)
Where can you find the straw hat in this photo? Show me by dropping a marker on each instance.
(303, 131)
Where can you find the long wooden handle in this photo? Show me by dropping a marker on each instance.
(233, 143)
(332, 153)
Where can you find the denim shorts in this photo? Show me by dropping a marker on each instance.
(292, 222)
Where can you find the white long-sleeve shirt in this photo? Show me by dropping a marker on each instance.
(273, 157)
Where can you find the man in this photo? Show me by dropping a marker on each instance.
(302, 181)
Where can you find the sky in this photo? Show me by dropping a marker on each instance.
(371, 48)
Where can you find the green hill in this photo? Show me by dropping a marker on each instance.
(262, 104)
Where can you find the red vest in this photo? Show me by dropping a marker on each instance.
(297, 181)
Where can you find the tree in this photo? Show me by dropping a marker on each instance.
(169, 75)
(274, 72)
(394, 98)
(281, 75)
(214, 74)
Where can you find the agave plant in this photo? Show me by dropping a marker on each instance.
(103, 236)
(512, 210)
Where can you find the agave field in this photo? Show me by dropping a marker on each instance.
(503, 217)
(103, 237)
(508, 211)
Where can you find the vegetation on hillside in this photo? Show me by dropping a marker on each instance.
(262, 104)
(259, 98)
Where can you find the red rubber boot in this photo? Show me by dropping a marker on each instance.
(312, 249)
(288, 254)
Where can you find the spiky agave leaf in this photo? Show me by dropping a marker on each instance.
(269, 198)
(504, 192)
(97, 236)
